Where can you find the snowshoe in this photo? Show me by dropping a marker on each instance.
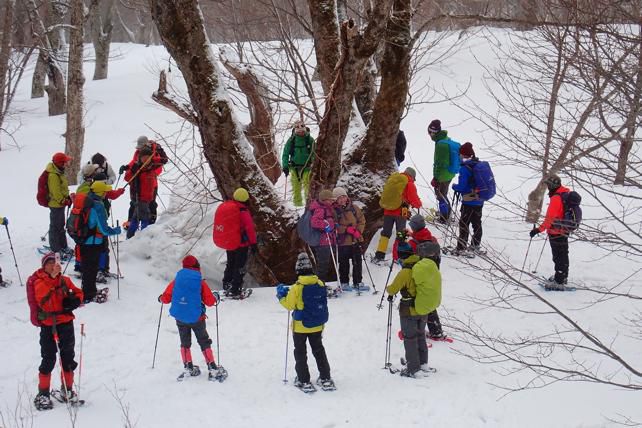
(407, 373)
(42, 401)
(102, 295)
(439, 337)
(244, 294)
(554, 286)
(102, 278)
(466, 253)
(326, 384)
(218, 374)
(5, 283)
(346, 287)
(360, 287)
(392, 369)
(189, 371)
(306, 387)
(478, 251)
(335, 292)
(66, 396)
(424, 369)
(379, 260)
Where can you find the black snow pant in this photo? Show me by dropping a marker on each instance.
(301, 357)
(441, 193)
(48, 348)
(388, 221)
(323, 257)
(235, 269)
(470, 215)
(200, 331)
(414, 341)
(153, 208)
(57, 233)
(90, 259)
(347, 254)
(434, 324)
(559, 248)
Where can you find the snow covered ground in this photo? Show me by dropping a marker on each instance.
(119, 342)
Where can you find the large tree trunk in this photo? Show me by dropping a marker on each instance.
(5, 55)
(100, 18)
(367, 91)
(39, 77)
(181, 28)
(75, 134)
(323, 14)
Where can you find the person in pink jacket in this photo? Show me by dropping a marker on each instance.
(323, 219)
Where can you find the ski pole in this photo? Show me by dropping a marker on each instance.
(117, 265)
(82, 335)
(218, 346)
(336, 269)
(363, 256)
(15, 261)
(118, 180)
(388, 334)
(519, 281)
(540, 254)
(285, 189)
(54, 331)
(380, 305)
(43, 238)
(157, 332)
(287, 343)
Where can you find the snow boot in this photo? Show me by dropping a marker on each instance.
(190, 370)
(42, 401)
(326, 384)
(306, 387)
(405, 372)
(346, 286)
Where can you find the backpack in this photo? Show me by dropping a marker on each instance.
(78, 221)
(572, 212)
(43, 189)
(306, 232)
(315, 306)
(484, 180)
(453, 148)
(161, 152)
(392, 194)
(427, 280)
(31, 299)
(187, 304)
(227, 226)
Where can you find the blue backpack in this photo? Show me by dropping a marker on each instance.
(307, 233)
(454, 165)
(315, 306)
(572, 212)
(187, 305)
(484, 180)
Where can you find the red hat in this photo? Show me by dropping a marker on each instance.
(47, 258)
(466, 150)
(191, 262)
(60, 158)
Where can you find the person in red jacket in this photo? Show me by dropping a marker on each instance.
(56, 297)
(234, 231)
(189, 294)
(142, 178)
(557, 236)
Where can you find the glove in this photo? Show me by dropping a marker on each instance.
(70, 303)
(402, 235)
(286, 171)
(5, 221)
(391, 297)
(534, 232)
(354, 232)
(328, 227)
(118, 192)
(282, 291)
(117, 230)
(217, 297)
(67, 202)
(433, 182)
(122, 169)
(159, 298)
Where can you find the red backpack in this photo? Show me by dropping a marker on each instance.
(227, 226)
(78, 220)
(43, 189)
(31, 299)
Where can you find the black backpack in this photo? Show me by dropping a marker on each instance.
(572, 212)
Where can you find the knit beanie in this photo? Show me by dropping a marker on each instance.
(417, 222)
(47, 258)
(326, 195)
(191, 262)
(466, 150)
(88, 170)
(434, 127)
(303, 265)
(411, 172)
(339, 191)
(241, 195)
(141, 142)
(404, 250)
(428, 249)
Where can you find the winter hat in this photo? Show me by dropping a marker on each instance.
(404, 250)
(339, 191)
(303, 265)
(59, 159)
(100, 188)
(428, 249)
(553, 182)
(411, 172)
(47, 258)
(145, 151)
(141, 142)
(417, 222)
(326, 195)
(98, 159)
(434, 127)
(466, 150)
(191, 262)
(88, 170)
(241, 195)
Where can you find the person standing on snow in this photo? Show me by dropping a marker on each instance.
(189, 294)
(142, 175)
(234, 232)
(444, 163)
(59, 198)
(350, 225)
(398, 195)
(324, 220)
(57, 297)
(471, 204)
(297, 158)
(307, 298)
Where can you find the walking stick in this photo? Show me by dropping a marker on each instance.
(82, 335)
(380, 305)
(287, 343)
(519, 281)
(388, 335)
(363, 256)
(157, 332)
(336, 269)
(540, 255)
(285, 189)
(218, 347)
(15, 261)
(117, 264)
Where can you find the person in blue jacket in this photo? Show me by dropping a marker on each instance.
(471, 205)
(92, 247)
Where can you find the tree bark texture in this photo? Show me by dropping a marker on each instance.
(39, 77)
(367, 91)
(323, 14)
(181, 28)
(100, 18)
(5, 55)
(75, 134)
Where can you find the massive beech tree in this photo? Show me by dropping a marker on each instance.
(228, 152)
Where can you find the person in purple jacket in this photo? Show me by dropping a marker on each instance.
(323, 219)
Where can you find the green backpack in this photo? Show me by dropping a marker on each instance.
(427, 285)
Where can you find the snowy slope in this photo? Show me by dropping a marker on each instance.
(119, 341)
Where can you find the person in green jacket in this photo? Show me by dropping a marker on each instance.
(308, 288)
(58, 199)
(441, 176)
(298, 155)
(413, 324)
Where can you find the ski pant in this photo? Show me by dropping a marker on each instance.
(347, 254)
(48, 348)
(434, 324)
(441, 192)
(559, 248)
(57, 233)
(301, 357)
(153, 208)
(103, 260)
(90, 259)
(139, 218)
(399, 222)
(299, 179)
(200, 331)
(235, 269)
(323, 257)
(414, 341)
(470, 215)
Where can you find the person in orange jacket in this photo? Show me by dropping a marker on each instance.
(557, 236)
(188, 294)
(57, 297)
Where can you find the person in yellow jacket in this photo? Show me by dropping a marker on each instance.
(307, 299)
(59, 198)
(413, 313)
